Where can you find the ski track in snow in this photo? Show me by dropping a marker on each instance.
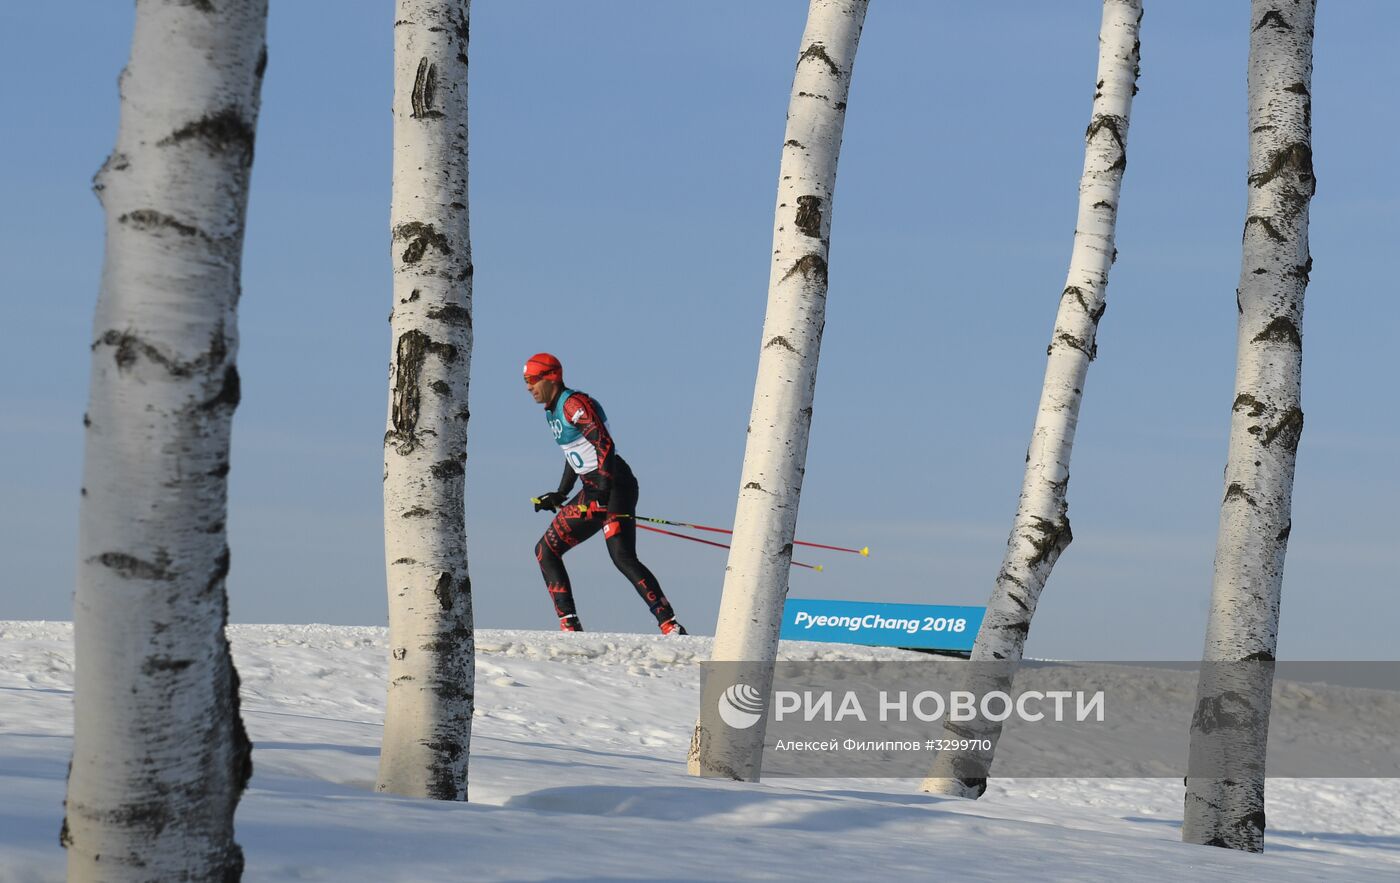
(578, 773)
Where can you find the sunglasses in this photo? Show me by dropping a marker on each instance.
(532, 379)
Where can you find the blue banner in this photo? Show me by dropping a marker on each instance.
(923, 626)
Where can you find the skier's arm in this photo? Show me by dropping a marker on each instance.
(581, 412)
(566, 482)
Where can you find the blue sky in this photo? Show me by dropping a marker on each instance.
(624, 164)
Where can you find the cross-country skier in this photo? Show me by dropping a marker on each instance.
(607, 501)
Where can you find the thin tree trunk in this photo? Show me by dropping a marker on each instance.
(1230, 728)
(160, 755)
(428, 717)
(756, 579)
(1041, 531)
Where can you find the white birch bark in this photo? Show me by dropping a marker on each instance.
(160, 755)
(756, 578)
(1041, 530)
(428, 717)
(1229, 730)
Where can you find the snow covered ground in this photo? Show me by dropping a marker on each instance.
(578, 772)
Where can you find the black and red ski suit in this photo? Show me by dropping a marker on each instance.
(607, 501)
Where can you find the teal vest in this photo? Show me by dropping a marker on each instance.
(578, 451)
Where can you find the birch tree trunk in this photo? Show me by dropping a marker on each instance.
(428, 717)
(160, 755)
(1230, 727)
(756, 578)
(1041, 531)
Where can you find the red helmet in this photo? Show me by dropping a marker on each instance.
(542, 365)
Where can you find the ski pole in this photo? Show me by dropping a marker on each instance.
(583, 509)
(865, 551)
(670, 533)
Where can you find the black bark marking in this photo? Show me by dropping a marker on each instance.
(809, 216)
(262, 64)
(1302, 271)
(452, 314)
(818, 51)
(443, 775)
(441, 387)
(1230, 710)
(1298, 89)
(416, 512)
(1269, 229)
(229, 394)
(1281, 330)
(1008, 577)
(1078, 295)
(1054, 537)
(443, 591)
(131, 567)
(412, 351)
(1296, 157)
(424, 91)
(222, 131)
(1237, 491)
(447, 469)
(1117, 127)
(1256, 407)
(782, 342)
(1088, 349)
(753, 486)
(811, 266)
(1103, 203)
(464, 34)
(148, 219)
(220, 571)
(1289, 429)
(793, 142)
(153, 664)
(1273, 18)
(1261, 272)
(420, 238)
(201, 5)
(1283, 534)
(129, 348)
(1018, 631)
(406, 561)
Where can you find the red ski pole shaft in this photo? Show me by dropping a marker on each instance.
(865, 552)
(670, 533)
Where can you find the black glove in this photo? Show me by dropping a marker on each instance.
(551, 501)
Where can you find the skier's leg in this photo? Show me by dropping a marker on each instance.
(621, 533)
(568, 529)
